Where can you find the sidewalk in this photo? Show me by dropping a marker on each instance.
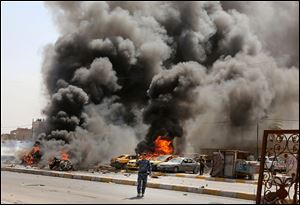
(209, 178)
(203, 177)
(187, 184)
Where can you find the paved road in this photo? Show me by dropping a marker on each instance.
(28, 188)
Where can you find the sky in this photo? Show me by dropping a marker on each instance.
(26, 27)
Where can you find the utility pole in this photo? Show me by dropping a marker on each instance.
(257, 139)
(32, 128)
(257, 132)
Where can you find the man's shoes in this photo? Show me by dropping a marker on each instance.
(138, 195)
(142, 195)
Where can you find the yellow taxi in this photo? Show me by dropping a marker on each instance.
(121, 161)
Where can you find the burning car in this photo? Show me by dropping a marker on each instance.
(132, 164)
(61, 164)
(179, 164)
(32, 157)
(163, 145)
(121, 161)
(162, 152)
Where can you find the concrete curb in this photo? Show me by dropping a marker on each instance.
(184, 188)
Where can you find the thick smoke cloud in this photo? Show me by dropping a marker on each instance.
(277, 26)
(122, 73)
(65, 108)
(171, 94)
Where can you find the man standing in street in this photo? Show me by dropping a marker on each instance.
(202, 165)
(144, 170)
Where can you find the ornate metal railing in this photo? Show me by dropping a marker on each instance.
(279, 168)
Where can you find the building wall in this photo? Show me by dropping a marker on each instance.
(21, 134)
(38, 126)
(5, 137)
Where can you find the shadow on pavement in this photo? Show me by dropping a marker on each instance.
(134, 197)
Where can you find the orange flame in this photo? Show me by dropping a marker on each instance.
(163, 146)
(149, 155)
(29, 158)
(64, 155)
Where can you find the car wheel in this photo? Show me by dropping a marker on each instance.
(176, 169)
(196, 170)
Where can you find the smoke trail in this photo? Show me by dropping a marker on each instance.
(125, 72)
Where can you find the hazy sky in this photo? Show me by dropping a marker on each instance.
(26, 27)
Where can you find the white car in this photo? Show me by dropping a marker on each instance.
(273, 164)
(179, 164)
(269, 162)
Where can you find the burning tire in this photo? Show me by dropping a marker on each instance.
(65, 165)
(54, 163)
(60, 165)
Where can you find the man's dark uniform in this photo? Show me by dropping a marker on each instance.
(144, 170)
(202, 165)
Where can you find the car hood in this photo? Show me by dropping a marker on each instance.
(155, 162)
(169, 163)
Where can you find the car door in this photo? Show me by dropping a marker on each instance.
(184, 165)
(187, 164)
(190, 165)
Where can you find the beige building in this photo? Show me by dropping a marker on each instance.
(38, 126)
(5, 137)
(18, 134)
(21, 134)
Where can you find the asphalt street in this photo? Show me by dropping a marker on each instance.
(28, 188)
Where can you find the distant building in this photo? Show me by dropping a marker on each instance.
(38, 126)
(18, 134)
(5, 137)
(21, 134)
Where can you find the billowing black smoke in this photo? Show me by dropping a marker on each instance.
(171, 94)
(122, 73)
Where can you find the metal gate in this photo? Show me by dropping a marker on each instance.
(279, 168)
